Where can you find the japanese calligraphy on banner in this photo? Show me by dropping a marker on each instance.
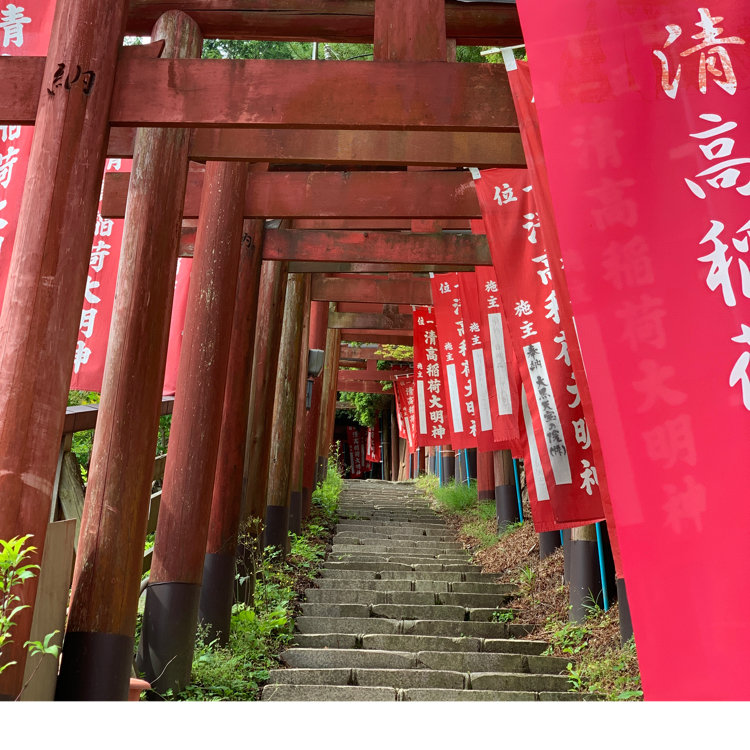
(373, 452)
(454, 356)
(643, 117)
(433, 411)
(504, 378)
(541, 334)
(98, 302)
(478, 340)
(24, 30)
(355, 438)
(403, 387)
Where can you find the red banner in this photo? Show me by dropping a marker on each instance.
(403, 387)
(24, 30)
(454, 356)
(542, 337)
(99, 299)
(355, 438)
(433, 421)
(502, 368)
(642, 113)
(373, 452)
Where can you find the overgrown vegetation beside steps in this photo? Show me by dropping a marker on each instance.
(260, 631)
(598, 664)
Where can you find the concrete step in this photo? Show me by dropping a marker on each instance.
(473, 600)
(360, 584)
(327, 640)
(355, 625)
(398, 544)
(350, 596)
(418, 612)
(456, 628)
(447, 643)
(527, 682)
(279, 692)
(438, 694)
(330, 658)
(375, 677)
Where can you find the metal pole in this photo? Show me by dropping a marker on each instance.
(518, 489)
(600, 550)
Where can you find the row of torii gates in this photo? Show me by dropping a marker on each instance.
(390, 138)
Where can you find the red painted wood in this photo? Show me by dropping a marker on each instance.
(317, 340)
(328, 392)
(413, 31)
(260, 415)
(346, 195)
(372, 225)
(323, 20)
(373, 307)
(227, 493)
(315, 94)
(379, 247)
(361, 386)
(47, 279)
(363, 376)
(371, 321)
(182, 527)
(376, 337)
(352, 353)
(346, 147)
(485, 475)
(384, 291)
(115, 515)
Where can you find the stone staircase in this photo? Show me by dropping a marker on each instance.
(400, 614)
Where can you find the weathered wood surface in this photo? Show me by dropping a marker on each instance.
(380, 247)
(352, 268)
(265, 361)
(413, 31)
(80, 418)
(48, 270)
(345, 147)
(383, 290)
(323, 20)
(328, 393)
(122, 462)
(188, 484)
(363, 376)
(361, 386)
(374, 225)
(50, 609)
(227, 493)
(344, 195)
(370, 337)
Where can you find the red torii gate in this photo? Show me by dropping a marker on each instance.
(38, 325)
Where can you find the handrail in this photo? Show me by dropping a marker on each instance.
(80, 418)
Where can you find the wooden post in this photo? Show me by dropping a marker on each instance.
(328, 393)
(506, 502)
(265, 361)
(317, 340)
(169, 620)
(298, 447)
(47, 277)
(485, 475)
(585, 581)
(448, 459)
(217, 589)
(284, 412)
(98, 648)
(395, 462)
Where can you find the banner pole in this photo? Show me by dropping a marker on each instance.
(518, 489)
(600, 550)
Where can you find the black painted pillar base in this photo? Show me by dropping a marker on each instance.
(165, 653)
(566, 547)
(626, 624)
(506, 506)
(95, 667)
(585, 581)
(549, 541)
(277, 527)
(217, 596)
(295, 512)
(472, 456)
(449, 467)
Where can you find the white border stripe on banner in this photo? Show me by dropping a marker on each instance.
(421, 407)
(560, 464)
(483, 397)
(458, 423)
(542, 493)
(500, 365)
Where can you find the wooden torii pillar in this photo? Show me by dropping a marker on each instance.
(173, 593)
(98, 647)
(47, 278)
(217, 588)
(506, 501)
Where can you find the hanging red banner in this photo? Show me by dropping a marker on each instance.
(503, 375)
(432, 423)
(542, 337)
(482, 374)
(355, 438)
(98, 302)
(523, 99)
(642, 114)
(454, 356)
(403, 387)
(24, 30)
(373, 452)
